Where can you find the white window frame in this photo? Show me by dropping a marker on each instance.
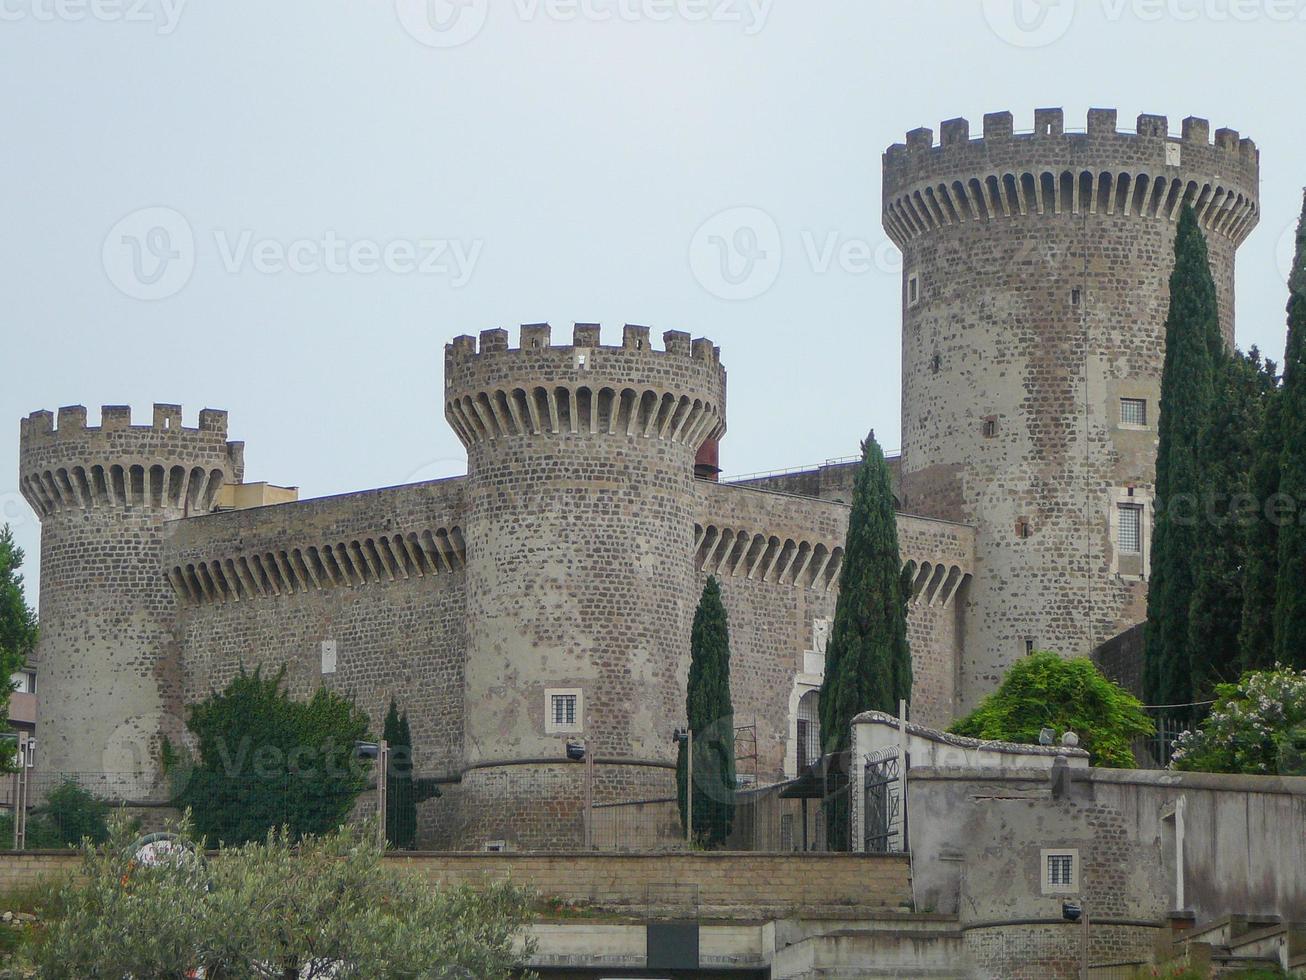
(551, 727)
(1137, 511)
(1138, 497)
(913, 289)
(1045, 858)
(1126, 423)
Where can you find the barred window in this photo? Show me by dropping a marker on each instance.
(564, 709)
(1061, 869)
(1129, 538)
(1133, 411)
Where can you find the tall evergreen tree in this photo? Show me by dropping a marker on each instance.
(1244, 384)
(1290, 595)
(1187, 393)
(867, 658)
(17, 623)
(1260, 571)
(711, 720)
(403, 790)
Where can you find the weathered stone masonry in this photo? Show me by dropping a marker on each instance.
(571, 556)
(1035, 290)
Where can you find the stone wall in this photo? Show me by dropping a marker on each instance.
(978, 839)
(752, 883)
(108, 660)
(704, 880)
(777, 556)
(1121, 658)
(1035, 271)
(379, 574)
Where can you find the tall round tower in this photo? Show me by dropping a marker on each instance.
(1035, 292)
(110, 678)
(580, 584)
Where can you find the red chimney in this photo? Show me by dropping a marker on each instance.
(705, 464)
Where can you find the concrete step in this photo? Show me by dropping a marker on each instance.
(904, 952)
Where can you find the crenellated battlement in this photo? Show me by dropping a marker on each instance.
(66, 464)
(1052, 171)
(494, 390)
(41, 426)
(585, 336)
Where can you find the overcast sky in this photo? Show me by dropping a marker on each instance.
(338, 187)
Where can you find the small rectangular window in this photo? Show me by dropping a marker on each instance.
(1029, 647)
(1075, 296)
(1059, 871)
(1061, 868)
(989, 427)
(1129, 538)
(1133, 411)
(564, 709)
(913, 290)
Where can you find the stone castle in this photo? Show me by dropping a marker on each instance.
(548, 594)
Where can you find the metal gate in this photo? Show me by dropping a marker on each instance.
(885, 823)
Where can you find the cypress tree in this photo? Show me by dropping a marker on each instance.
(867, 659)
(1260, 571)
(1187, 393)
(711, 720)
(403, 790)
(1290, 594)
(1244, 383)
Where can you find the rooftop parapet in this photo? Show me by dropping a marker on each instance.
(1049, 169)
(41, 427)
(494, 389)
(1050, 123)
(67, 464)
(585, 336)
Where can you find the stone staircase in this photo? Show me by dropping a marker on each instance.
(1239, 942)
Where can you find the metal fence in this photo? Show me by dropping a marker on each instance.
(41, 811)
(1155, 751)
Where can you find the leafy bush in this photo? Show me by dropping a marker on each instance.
(268, 761)
(317, 907)
(1045, 691)
(68, 814)
(1256, 726)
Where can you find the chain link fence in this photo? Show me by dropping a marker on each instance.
(429, 812)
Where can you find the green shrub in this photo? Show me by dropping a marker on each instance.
(1045, 691)
(267, 761)
(1256, 726)
(68, 814)
(317, 906)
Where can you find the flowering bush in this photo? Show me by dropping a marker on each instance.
(1256, 726)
